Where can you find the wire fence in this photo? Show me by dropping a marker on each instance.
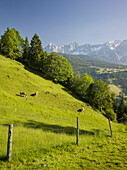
(38, 136)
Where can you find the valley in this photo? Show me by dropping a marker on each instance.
(63, 85)
(112, 74)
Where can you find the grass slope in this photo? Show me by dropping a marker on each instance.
(44, 133)
(115, 89)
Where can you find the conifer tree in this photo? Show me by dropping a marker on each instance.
(42, 60)
(36, 52)
(121, 108)
(26, 51)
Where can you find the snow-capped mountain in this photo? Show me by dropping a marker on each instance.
(62, 48)
(112, 51)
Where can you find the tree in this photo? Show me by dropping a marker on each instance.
(76, 82)
(11, 44)
(121, 108)
(113, 96)
(86, 80)
(57, 68)
(36, 52)
(109, 113)
(99, 95)
(0, 47)
(42, 60)
(81, 83)
(123, 119)
(26, 51)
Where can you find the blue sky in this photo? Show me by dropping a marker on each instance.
(66, 21)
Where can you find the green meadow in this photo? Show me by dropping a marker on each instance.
(44, 126)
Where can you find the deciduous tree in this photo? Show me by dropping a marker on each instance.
(11, 44)
(99, 96)
(57, 68)
(81, 83)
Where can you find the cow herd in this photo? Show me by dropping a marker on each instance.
(22, 94)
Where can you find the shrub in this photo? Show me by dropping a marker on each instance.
(109, 113)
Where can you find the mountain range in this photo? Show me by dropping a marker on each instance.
(112, 51)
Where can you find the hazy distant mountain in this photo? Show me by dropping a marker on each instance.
(112, 51)
(62, 48)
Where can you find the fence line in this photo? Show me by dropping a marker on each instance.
(52, 129)
(73, 130)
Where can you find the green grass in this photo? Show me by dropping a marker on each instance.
(115, 89)
(44, 132)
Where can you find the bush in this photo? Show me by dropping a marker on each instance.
(124, 119)
(109, 113)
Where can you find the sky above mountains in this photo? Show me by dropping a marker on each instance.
(66, 21)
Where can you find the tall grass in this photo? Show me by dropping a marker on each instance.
(44, 132)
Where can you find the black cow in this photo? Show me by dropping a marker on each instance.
(23, 94)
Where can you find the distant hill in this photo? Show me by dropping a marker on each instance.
(112, 51)
(89, 65)
(109, 72)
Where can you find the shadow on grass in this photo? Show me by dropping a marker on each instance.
(5, 124)
(18, 95)
(72, 93)
(3, 158)
(34, 70)
(33, 94)
(54, 128)
(41, 74)
(98, 132)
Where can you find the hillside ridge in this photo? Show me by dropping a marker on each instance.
(15, 78)
(45, 125)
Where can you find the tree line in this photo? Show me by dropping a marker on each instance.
(57, 68)
(117, 78)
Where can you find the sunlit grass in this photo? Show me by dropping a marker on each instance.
(115, 89)
(44, 132)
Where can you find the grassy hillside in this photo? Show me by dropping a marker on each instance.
(44, 133)
(115, 89)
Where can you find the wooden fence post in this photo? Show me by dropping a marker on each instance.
(110, 126)
(77, 141)
(9, 146)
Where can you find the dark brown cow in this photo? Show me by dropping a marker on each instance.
(81, 110)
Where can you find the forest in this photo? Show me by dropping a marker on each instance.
(108, 72)
(57, 68)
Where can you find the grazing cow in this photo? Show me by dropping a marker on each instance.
(81, 110)
(23, 94)
(36, 93)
